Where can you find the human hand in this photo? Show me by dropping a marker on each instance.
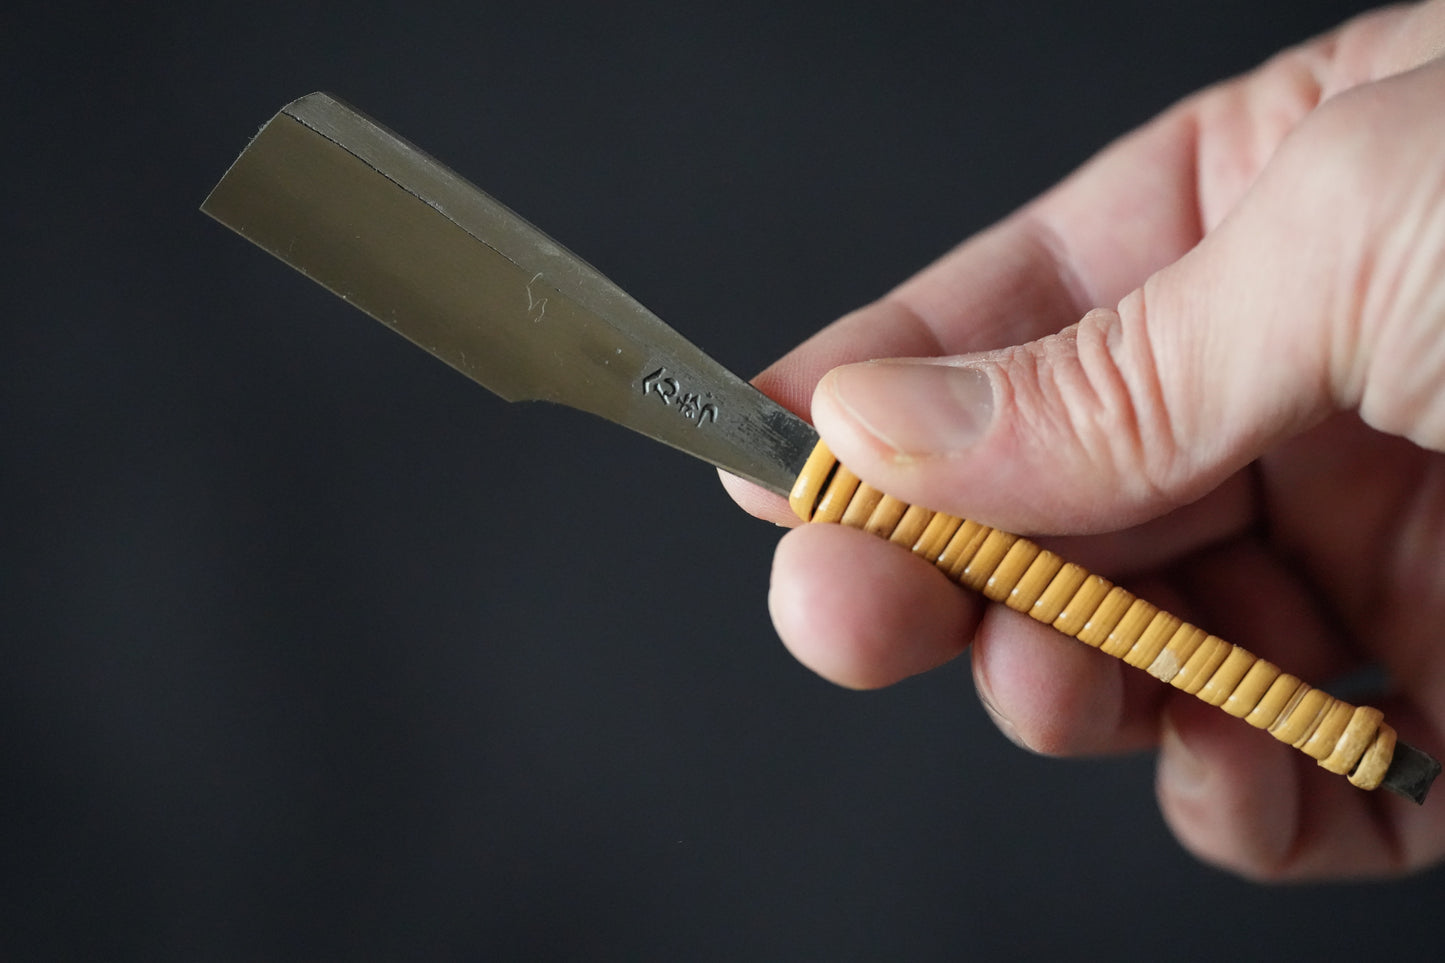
(1251, 438)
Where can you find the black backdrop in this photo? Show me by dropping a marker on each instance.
(314, 650)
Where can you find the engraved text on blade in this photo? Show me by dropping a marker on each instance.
(695, 408)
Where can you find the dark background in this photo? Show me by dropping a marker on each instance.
(315, 650)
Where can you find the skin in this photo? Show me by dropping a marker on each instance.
(1210, 366)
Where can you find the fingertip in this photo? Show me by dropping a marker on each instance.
(1230, 795)
(902, 424)
(1051, 694)
(912, 409)
(864, 613)
(758, 501)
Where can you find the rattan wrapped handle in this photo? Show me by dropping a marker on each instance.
(1345, 739)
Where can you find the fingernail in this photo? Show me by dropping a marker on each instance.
(917, 408)
(1004, 723)
(1179, 767)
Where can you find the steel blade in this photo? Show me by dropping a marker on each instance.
(382, 224)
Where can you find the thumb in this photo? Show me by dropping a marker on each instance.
(1264, 328)
(1115, 420)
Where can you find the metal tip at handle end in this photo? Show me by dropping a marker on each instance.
(1411, 772)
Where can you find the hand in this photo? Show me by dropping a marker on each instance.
(1251, 438)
